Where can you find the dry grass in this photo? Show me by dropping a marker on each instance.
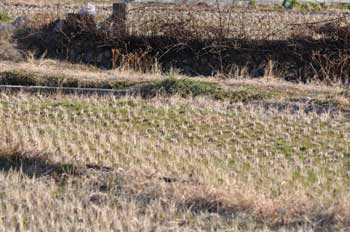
(170, 163)
(48, 68)
(50, 2)
(102, 163)
(7, 48)
(54, 73)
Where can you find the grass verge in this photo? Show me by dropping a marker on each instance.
(184, 87)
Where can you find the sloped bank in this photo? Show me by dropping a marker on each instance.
(31, 82)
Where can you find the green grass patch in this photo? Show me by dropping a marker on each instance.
(187, 87)
(311, 6)
(182, 87)
(4, 16)
(344, 6)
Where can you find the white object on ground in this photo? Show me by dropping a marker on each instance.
(88, 8)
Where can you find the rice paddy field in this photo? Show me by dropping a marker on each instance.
(84, 148)
(183, 160)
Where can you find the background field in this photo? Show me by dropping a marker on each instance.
(306, 43)
(166, 152)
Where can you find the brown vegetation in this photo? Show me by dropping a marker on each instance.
(316, 51)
